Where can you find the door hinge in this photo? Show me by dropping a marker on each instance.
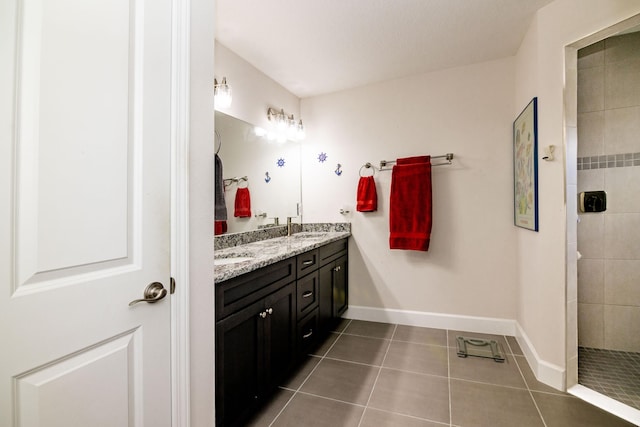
(172, 286)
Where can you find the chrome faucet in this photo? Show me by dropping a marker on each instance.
(276, 220)
(289, 226)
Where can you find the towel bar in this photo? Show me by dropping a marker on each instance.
(448, 157)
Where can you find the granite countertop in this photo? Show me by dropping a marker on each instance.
(241, 259)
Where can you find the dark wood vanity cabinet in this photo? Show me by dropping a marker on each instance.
(255, 345)
(269, 319)
(333, 277)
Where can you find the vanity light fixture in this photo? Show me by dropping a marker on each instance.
(221, 93)
(284, 126)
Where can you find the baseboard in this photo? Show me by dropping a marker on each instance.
(485, 325)
(547, 373)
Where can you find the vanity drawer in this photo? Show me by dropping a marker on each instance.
(333, 251)
(307, 291)
(307, 262)
(237, 293)
(308, 333)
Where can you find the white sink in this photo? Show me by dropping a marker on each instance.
(227, 261)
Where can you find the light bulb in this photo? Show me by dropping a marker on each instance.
(222, 94)
(259, 131)
(292, 128)
(281, 121)
(300, 133)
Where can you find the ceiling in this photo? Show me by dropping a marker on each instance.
(312, 47)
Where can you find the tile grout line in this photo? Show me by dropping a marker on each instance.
(395, 328)
(309, 375)
(525, 381)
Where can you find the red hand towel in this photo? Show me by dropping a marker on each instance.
(410, 204)
(243, 203)
(367, 198)
(220, 227)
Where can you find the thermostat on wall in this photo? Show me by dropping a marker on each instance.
(593, 201)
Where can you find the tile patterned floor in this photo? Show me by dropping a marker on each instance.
(370, 374)
(613, 373)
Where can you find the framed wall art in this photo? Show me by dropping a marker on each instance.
(525, 167)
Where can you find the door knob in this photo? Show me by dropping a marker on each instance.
(152, 293)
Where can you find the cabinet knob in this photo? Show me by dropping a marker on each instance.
(337, 268)
(263, 314)
(269, 311)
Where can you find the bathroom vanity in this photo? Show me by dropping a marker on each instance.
(275, 300)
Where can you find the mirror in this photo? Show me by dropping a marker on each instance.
(272, 172)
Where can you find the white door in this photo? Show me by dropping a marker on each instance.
(84, 212)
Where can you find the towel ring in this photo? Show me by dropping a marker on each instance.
(367, 166)
(218, 141)
(245, 180)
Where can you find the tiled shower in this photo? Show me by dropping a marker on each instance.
(609, 241)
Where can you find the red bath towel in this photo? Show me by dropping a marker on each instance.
(367, 197)
(410, 204)
(243, 203)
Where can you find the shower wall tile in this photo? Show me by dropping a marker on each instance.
(591, 235)
(591, 134)
(608, 287)
(591, 89)
(591, 281)
(620, 185)
(621, 331)
(591, 325)
(621, 129)
(622, 48)
(621, 239)
(591, 56)
(590, 180)
(621, 88)
(622, 283)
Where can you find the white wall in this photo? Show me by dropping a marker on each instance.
(469, 268)
(253, 91)
(542, 257)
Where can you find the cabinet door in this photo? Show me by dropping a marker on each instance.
(280, 334)
(239, 363)
(325, 297)
(340, 288)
